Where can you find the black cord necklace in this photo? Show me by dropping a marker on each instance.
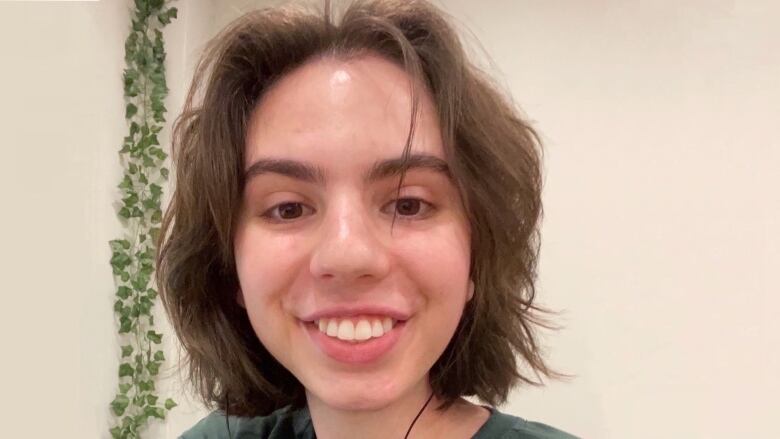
(418, 415)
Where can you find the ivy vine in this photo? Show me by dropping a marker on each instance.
(132, 255)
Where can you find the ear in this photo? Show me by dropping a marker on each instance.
(471, 290)
(240, 298)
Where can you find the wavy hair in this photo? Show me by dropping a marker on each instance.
(494, 157)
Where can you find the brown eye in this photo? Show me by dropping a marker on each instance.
(407, 206)
(283, 212)
(290, 210)
(412, 208)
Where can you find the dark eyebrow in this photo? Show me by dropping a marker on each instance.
(380, 170)
(290, 168)
(394, 167)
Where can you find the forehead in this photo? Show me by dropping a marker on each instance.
(342, 113)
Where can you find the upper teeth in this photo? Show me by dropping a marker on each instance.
(358, 329)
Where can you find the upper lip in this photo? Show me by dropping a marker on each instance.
(355, 310)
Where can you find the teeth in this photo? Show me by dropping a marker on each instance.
(333, 328)
(346, 330)
(377, 330)
(387, 324)
(360, 329)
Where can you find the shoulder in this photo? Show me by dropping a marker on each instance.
(283, 423)
(504, 426)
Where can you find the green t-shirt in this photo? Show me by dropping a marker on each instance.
(286, 423)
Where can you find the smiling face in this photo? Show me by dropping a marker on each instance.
(313, 244)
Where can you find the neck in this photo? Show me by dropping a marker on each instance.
(388, 422)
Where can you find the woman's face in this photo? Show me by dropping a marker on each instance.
(313, 246)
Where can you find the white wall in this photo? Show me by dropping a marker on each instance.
(661, 207)
(662, 201)
(61, 121)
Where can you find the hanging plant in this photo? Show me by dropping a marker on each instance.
(132, 255)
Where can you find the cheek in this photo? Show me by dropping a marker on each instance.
(439, 260)
(265, 265)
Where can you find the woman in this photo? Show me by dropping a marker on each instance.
(351, 244)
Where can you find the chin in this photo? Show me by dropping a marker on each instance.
(358, 402)
(357, 395)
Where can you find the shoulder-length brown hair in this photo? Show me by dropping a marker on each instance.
(494, 157)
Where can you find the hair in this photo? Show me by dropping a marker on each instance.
(494, 158)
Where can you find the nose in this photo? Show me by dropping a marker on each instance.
(349, 246)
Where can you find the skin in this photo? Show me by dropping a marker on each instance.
(302, 246)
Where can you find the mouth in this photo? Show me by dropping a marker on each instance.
(356, 329)
(355, 340)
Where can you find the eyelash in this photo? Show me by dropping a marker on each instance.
(426, 208)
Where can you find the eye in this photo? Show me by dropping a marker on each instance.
(285, 212)
(411, 207)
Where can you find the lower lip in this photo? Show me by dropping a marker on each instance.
(362, 352)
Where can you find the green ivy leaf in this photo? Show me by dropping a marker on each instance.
(123, 292)
(127, 350)
(155, 189)
(125, 324)
(154, 337)
(164, 19)
(126, 370)
(130, 200)
(145, 306)
(126, 183)
(119, 244)
(169, 404)
(137, 25)
(120, 260)
(159, 356)
(119, 404)
(124, 388)
(151, 399)
(130, 110)
(156, 412)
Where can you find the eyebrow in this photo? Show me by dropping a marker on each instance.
(379, 170)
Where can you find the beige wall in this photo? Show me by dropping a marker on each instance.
(660, 234)
(662, 201)
(61, 119)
